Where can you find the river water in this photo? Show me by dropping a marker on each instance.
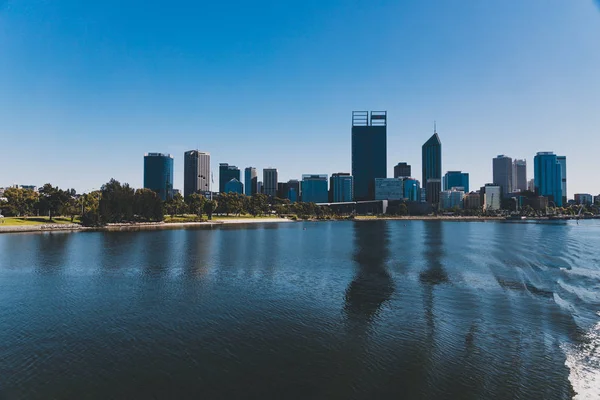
(322, 310)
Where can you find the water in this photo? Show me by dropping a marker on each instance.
(340, 310)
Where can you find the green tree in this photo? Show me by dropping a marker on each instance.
(147, 205)
(402, 209)
(52, 199)
(258, 204)
(21, 202)
(209, 207)
(195, 203)
(116, 202)
(71, 208)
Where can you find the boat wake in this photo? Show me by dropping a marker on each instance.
(583, 361)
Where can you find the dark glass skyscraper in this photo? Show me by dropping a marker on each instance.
(226, 173)
(432, 168)
(369, 151)
(196, 172)
(158, 174)
(503, 173)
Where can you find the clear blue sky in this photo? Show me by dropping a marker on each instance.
(87, 87)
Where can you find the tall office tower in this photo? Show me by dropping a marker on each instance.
(519, 175)
(293, 190)
(314, 188)
(456, 179)
(562, 160)
(251, 181)
(547, 173)
(369, 151)
(341, 187)
(158, 174)
(260, 188)
(196, 172)
(270, 182)
(432, 168)
(531, 185)
(282, 190)
(402, 170)
(502, 172)
(226, 173)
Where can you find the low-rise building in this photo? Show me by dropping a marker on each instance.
(314, 188)
(389, 189)
(584, 198)
(234, 186)
(451, 199)
(472, 201)
(491, 195)
(411, 189)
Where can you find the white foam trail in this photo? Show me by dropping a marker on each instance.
(584, 364)
(589, 296)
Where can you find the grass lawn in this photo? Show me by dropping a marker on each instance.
(21, 221)
(242, 216)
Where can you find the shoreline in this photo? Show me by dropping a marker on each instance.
(233, 221)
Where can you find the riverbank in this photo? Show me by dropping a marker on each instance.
(136, 226)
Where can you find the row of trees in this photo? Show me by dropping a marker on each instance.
(117, 203)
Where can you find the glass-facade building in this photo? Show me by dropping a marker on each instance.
(293, 190)
(196, 172)
(369, 152)
(158, 174)
(548, 176)
(562, 160)
(432, 168)
(451, 199)
(389, 189)
(251, 181)
(503, 173)
(519, 179)
(270, 182)
(234, 186)
(341, 187)
(226, 173)
(412, 189)
(314, 189)
(456, 179)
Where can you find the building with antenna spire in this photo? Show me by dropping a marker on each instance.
(432, 167)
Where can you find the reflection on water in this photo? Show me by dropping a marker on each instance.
(372, 284)
(340, 310)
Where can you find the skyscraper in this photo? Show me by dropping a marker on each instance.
(341, 187)
(314, 188)
(402, 170)
(456, 179)
(548, 176)
(369, 151)
(519, 175)
(270, 182)
(158, 174)
(251, 181)
(226, 173)
(196, 172)
(562, 160)
(432, 168)
(503, 173)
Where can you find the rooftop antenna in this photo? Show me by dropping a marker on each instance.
(434, 128)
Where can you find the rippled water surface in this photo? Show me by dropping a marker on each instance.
(340, 310)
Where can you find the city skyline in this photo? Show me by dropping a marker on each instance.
(512, 78)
